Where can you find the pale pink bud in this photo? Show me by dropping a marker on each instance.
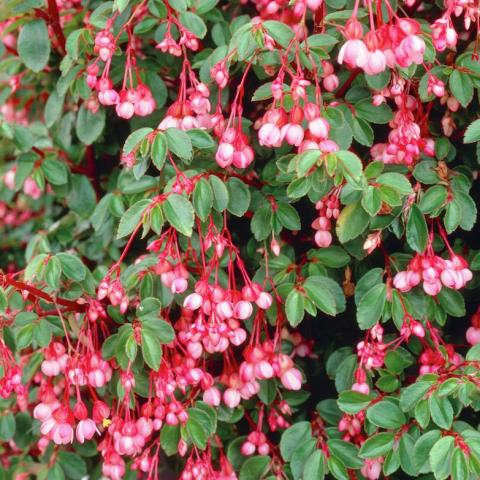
(193, 301)
(264, 300)
(323, 238)
(472, 335)
(330, 83)
(212, 396)
(292, 379)
(231, 397)
(243, 310)
(361, 388)
(247, 449)
(319, 128)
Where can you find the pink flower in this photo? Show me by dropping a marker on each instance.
(375, 62)
(291, 379)
(85, 430)
(354, 53)
(473, 335)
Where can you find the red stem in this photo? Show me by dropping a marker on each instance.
(55, 24)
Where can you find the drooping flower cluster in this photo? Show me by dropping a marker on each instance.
(433, 272)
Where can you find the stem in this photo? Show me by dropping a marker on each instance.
(55, 23)
(75, 306)
(341, 91)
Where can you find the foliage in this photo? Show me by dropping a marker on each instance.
(204, 205)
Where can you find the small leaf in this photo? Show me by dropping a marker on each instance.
(89, 126)
(132, 217)
(261, 223)
(34, 44)
(179, 143)
(203, 199)
(386, 415)
(159, 150)
(314, 466)
(417, 231)
(377, 446)
(239, 200)
(151, 349)
(179, 213)
(472, 134)
(135, 138)
(294, 307)
(440, 457)
(352, 222)
(370, 307)
(279, 31)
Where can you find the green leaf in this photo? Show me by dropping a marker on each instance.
(314, 466)
(452, 302)
(386, 414)
(159, 150)
(135, 138)
(220, 193)
(179, 213)
(81, 198)
(412, 394)
(132, 217)
(373, 113)
(25, 336)
(461, 86)
(55, 171)
(371, 200)
(305, 161)
(203, 199)
(53, 108)
(440, 457)
(34, 45)
(7, 427)
(261, 223)
(300, 456)
(239, 197)
(294, 307)
(196, 432)
(193, 23)
(179, 143)
(377, 446)
(321, 297)
(353, 402)
(320, 40)
(334, 257)
(417, 231)
(352, 222)
(362, 132)
(472, 134)
(72, 464)
(169, 438)
(151, 349)
(288, 216)
(441, 411)
(351, 166)
(346, 452)
(434, 198)
(460, 469)
(279, 31)
(89, 126)
(254, 468)
(370, 307)
(201, 139)
(397, 181)
(422, 448)
(72, 267)
(293, 437)
(53, 270)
